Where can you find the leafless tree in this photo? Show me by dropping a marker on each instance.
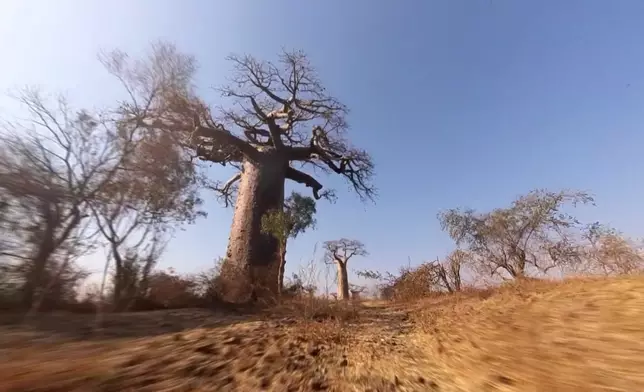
(62, 166)
(535, 234)
(610, 253)
(280, 120)
(149, 195)
(133, 266)
(339, 252)
(50, 166)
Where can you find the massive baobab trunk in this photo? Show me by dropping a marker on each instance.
(343, 281)
(253, 258)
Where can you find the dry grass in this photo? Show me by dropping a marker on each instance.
(581, 335)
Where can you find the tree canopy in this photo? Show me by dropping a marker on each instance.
(534, 233)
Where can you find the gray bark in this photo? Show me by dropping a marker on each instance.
(251, 268)
(343, 281)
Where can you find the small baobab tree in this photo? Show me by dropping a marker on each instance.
(280, 121)
(339, 252)
(533, 235)
(356, 291)
(298, 216)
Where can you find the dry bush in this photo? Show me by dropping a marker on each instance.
(317, 309)
(298, 295)
(413, 283)
(428, 279)
(60, 282)
(300, 302)
(449, 272)
(169, 290)
(208, 284)
(162, 289)
(610, 253)
(318, 319)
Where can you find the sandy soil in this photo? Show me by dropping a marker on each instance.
(583, 335)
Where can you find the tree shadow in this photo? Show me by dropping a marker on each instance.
(63, 326)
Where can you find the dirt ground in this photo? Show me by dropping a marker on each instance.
(582, 335)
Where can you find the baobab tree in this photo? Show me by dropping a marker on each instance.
(339, 252)
(280, 121)
(298, 216)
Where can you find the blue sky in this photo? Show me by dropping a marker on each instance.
(461, 103)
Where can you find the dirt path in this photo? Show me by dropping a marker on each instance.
(198, 351)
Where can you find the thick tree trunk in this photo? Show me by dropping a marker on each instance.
(252, 264)
(343, 281)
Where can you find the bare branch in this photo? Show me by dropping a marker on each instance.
(283, 102)
(219, 145)
(52, 165)
(228, 190)
(305, 179)
(355, 165)
(162, 98)
(274, 106)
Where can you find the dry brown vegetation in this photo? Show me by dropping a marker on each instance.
(577, 335)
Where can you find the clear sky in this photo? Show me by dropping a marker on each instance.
(461, 103)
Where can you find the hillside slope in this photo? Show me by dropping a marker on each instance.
(580, 335)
